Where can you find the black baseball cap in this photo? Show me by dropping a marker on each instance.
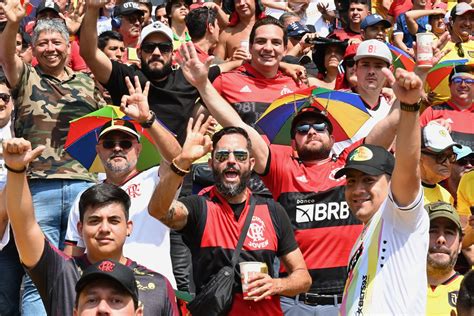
(370, 159)
(127, 8)
(47, 5)
(109, 270)
(309, 112)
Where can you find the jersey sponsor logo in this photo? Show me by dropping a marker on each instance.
(363, 288)
(285, 90)
(106, 266)
(245, 89)
(256, 233)
(453, 298)
(133, 190)
(322, 211)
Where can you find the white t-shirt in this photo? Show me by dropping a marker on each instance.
(149, 242)
(387, 266)
(5, 133)
(378, 114)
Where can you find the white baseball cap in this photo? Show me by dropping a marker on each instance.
(436, 138)
(373, 49)
(156, 27)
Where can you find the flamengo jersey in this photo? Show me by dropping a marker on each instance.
(149, 242)
(387, 269)
(324, 227)
(250, 93)
(462, 127)
(212, 233)
(442, 299)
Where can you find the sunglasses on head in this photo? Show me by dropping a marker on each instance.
(441, 157)
(164, 47)
(349, 62)
(223, 154)
(303, 129)
(124, 144)
(462, 80)
(466, 161)
(5, 97)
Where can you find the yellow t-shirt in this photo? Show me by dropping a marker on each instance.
(466, 194)
(436, 193)
(443, 298)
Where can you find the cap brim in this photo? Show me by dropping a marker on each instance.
(442, 215)
(435, 150)
(359, 57)
(88, 279)
(120, 128)
(363, 168)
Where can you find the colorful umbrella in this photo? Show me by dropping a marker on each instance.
(84, 133)
(437, 78)
(401, 59)
(346, 111)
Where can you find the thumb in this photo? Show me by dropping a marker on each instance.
(209, 61)
(35, 153)
(389, 75)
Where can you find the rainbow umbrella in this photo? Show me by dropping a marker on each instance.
(346, 111)
(83, 136)
(401, 59)
(437, 78)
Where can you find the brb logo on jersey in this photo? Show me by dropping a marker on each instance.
(257, 233)
(316, 212)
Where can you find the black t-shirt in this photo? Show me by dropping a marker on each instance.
(172, 99)
(55, 275)
(212, 232)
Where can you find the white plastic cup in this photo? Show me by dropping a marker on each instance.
(424, 50)
(248, 269)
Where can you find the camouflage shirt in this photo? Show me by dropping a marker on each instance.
(44, 105)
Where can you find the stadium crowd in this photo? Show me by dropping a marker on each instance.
(153, 151)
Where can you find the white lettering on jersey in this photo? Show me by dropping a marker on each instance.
(321, 211)
(256, 233)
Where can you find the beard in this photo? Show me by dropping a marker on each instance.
(156, 74)
(308, 154)
(441, 266)
(231, 190)
(118, 168)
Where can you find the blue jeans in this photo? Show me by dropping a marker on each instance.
(52, 200)
(10, 281)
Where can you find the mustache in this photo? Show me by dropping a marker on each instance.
(119, 155)
(156, 58)
(231, 169)
(439, 250)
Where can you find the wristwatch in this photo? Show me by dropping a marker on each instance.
(410, 107)
(149, 123)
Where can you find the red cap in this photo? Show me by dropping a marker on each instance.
(351, 51)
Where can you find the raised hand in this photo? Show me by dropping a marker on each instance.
(17, 153)
(14, 10)
(406, 85)
(74, 16)
(198, 143)
(136, 104)
(193, 69)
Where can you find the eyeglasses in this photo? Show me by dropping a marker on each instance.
(441, 157)
(303, 129)
(465, 161)
(349, 62)
(164, 47)
(134, 18)
(223, 154)
(5, 97)
(460, 49)
(124, 144)
(462, 80)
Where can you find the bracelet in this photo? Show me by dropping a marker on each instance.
(410, 107)
(180, 172)
(149, 123)
(14, 170)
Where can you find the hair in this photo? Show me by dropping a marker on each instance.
(364, 2)
(230, 130)
(50, 25)
(458, 69)
(268, 20)
(168, 6)
(465, 301)
(161, 6)
(285, 16)
(106, 36)
(101, 195)
(197, 20)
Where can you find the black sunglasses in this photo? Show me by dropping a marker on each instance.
(5, 97)
(466, 161)
(349, 62)
(124, 144)
(164, 47)
(441, 157)
(303, 129)
(223, 154)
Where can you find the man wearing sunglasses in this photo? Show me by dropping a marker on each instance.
(464, 163)
(211, 222)
(458, 111)
(437, 157)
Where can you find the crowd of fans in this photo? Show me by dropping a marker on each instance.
(379, 222)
